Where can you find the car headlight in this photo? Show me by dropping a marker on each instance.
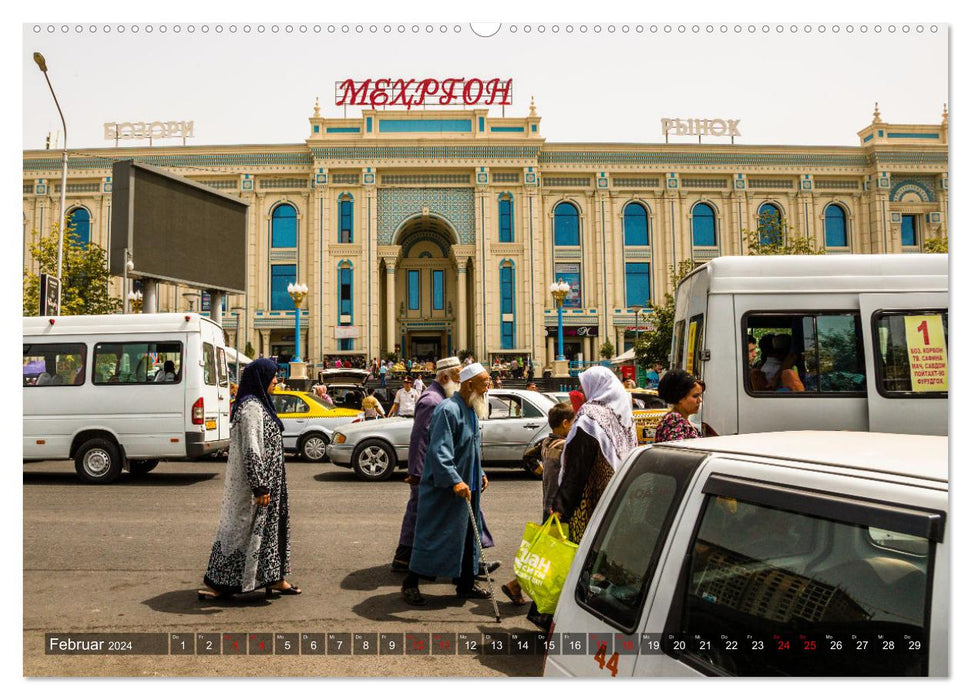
(339, 438)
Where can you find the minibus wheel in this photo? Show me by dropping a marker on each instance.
(98, 461)
(142, 466)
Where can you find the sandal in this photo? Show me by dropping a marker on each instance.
(516, 599)
(206, 594)
(289, 590)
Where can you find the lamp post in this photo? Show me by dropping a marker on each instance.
(297, 292)
(42, 64)
(236, 312)
(559, 290)
(637, 323)
(135, 301)
(190, 298)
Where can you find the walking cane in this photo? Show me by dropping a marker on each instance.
(482, 563)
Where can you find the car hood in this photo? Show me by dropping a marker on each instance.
(375, 427)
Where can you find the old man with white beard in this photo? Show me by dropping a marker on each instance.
(444, 543)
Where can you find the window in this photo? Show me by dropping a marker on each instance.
(505, 219)
(438, 290)
(346, 293)
(635, 225)
(54, 364)
(208, 364)
(806, 354)
(570, 273)
(617, 572)
(281, 277)
(678, 349)
(835, 227)
(911, 353)
(347, 220)
(908, 230)
(283, 227)
(79, 221)
(288, 403)
(638, 280)
(506, 289)
(786, 572)
(138, 363)
(508, 335)
(512, 407)
(566, 224)
(414, 290)
(770, 225)
(703, 226)
(221, 370)
(693, 350)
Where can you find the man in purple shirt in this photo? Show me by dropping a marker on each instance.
(446, 383)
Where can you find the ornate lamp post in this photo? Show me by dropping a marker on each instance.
(559, 290)
(135, 301)
(637, 322)
(298, 292)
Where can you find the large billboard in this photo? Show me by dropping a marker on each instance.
(173, 229)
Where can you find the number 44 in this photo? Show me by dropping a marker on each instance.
(610, 664)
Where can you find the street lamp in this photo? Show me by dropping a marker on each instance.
(559, 290)
(135, 301)
(637, 325)
(190, 297)
(236, 310)
(297, 292)
(42, 64)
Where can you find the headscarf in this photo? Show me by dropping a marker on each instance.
(606, 416)
(252, 386)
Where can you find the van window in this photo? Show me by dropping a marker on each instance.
(137, 363)
(804, 585)
(208, 364)
(804, 354)
(678, 353)
(911, 353)
(54, 364)
(616, 575)
(221, 367)
(694, 350)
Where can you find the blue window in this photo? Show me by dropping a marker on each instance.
(280, 277)
(508, 336)
(79, 221)
(505, 290)
(507, 305)
(346, 291)
(347, 344)
(770, 224)
(635, 225)
(908, 230)
(414, 290)
(505, 220)
(638, 278)
(835, 226)
(347, 221)
(284, 227)
(703, 225)
(566, 224)
(438, 290)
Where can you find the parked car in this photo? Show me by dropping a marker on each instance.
(308, 422)
(373, 449)
(793, 553)
(345, 386)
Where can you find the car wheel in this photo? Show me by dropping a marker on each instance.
(98, 461)
(313, 447)
(142, 466)
(533, 467)
(374, 460)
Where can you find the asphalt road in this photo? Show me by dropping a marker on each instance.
(128, 557)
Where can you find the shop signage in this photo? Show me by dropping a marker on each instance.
(927, 352)
(444, 92)
(148, 130)
(574, 331)
(347, 332)
(700, 127)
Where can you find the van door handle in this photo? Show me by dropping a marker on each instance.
(531, 427)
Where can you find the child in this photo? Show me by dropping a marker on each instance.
(561, 420)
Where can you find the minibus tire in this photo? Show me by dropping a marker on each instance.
(314, 442)
(141, 466)
(369, 455)
(98, 461)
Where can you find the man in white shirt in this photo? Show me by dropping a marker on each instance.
(404, 400)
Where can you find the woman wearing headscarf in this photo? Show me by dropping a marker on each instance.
(601, 438)
(252, 547)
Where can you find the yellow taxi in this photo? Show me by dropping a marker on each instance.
(649, 409)
(309, 423)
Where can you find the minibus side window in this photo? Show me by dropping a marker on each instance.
(137, 363)
(208, 364)
(54, 364)
(911, 353)
(221, 367)
(694, 350)
(780, 592)
(678, 344)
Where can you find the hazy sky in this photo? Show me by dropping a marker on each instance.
(801, 87)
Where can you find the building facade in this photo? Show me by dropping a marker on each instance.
(428, 232)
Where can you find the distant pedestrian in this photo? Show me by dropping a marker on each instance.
(371, 406)
(405, 400)
(419, 384)
(383, 373)
(681, 391)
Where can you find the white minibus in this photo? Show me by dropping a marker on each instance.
(827, 342)
(123, 391)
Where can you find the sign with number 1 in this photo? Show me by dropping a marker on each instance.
(927, 353)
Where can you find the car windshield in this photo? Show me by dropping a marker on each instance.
(316, 399)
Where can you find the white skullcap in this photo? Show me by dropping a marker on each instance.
(447, 363)
(470, 371)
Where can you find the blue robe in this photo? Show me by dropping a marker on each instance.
(454, 455)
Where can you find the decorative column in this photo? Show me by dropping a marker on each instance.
(390, 305)
(462, 312)
(298, 368)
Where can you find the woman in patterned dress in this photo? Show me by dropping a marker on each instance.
(681, 391)
(601, 438)
(252, 547)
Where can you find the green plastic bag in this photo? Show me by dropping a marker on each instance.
(543, 562)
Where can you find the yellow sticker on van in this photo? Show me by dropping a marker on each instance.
(927, 353)
(689, 361)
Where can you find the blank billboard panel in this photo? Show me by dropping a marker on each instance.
(176, 230)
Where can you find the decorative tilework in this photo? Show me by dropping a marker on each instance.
(895, 217)
(806, 160)
(378, 153)
(901, 185)
(455, 204)
(175, 161)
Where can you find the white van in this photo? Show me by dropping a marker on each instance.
(800, 554)
(863, 339)
(124, 391)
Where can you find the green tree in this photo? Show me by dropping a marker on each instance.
(774, 236)
(607, 350)
(936, 245)
(250, 351)
(84, 278)
(654, 346)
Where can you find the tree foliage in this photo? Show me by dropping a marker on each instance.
(607, 350)
(654, 346)
(774, 236)
(936, 245)
(84, 278)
